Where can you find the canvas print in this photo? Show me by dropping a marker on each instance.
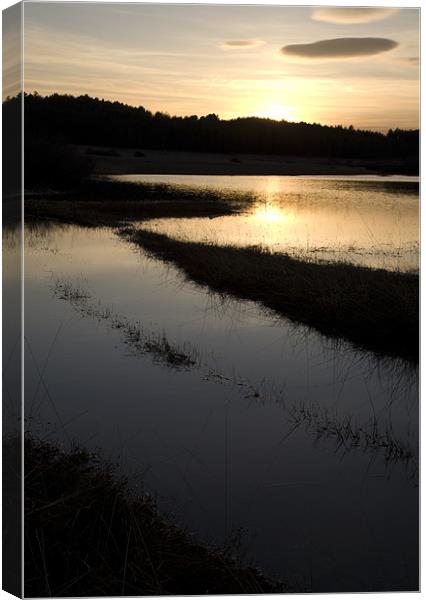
(211, 299)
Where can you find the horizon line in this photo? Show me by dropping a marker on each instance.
(382, 129)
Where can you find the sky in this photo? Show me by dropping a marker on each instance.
(349, 66)
(11, 46)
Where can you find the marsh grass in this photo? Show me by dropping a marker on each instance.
(135, 336)
(87, 533)
(142, 340)
(98, 202)
(318, 420)
(374, 309)
(65, 290)
(349, 435)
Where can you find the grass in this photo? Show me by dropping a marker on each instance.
(97, 202)
(142, 340)
(348, 435)
(135, 336)
(88, 534)
(375, 309)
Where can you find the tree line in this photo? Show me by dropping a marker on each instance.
(85, 120)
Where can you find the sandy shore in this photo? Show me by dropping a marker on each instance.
(120, 161)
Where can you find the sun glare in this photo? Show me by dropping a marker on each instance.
(269, 214)
(278, 112)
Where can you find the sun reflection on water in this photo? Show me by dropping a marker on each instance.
(268, 213)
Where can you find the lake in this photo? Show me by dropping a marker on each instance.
(272, 435)
(368, 220)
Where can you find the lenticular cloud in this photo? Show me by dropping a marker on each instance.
(340, 48)
(352, 15)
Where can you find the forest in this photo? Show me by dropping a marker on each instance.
(85, 120)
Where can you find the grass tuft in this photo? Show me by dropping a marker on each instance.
(135, 336)
(348, 435)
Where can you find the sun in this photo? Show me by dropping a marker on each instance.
(278, 112)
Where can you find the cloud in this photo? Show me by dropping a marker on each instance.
(412, 61)
(238, 44)
(352, 15)
(340, 48)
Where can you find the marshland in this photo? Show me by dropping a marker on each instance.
(221, 321)
(210, 299)
(257, 389)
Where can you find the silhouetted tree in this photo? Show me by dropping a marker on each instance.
(93, 121)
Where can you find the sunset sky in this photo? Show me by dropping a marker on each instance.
(327, 65)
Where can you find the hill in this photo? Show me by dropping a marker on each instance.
(86, 120)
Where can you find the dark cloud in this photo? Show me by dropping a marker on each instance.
(350, 15)
(340, 48)
(235, 44)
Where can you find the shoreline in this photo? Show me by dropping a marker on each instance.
(98, 202)
(130, 161)
(373, 309)
(78, 502)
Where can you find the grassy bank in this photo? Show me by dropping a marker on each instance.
(373, 308)
(87, 534)
(101, 202)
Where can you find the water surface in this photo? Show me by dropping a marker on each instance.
(217, 442)
(368, 220)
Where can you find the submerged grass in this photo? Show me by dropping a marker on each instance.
(88, 534)
(372, 308)
(143, 340)
(138, 338)
(317, 419)
(348, 435)
(103, 202)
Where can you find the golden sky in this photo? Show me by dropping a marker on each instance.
(345, 66)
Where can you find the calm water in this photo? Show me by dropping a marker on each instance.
(222, 443)
(368, 220)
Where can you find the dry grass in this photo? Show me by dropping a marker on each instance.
(87, 534)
